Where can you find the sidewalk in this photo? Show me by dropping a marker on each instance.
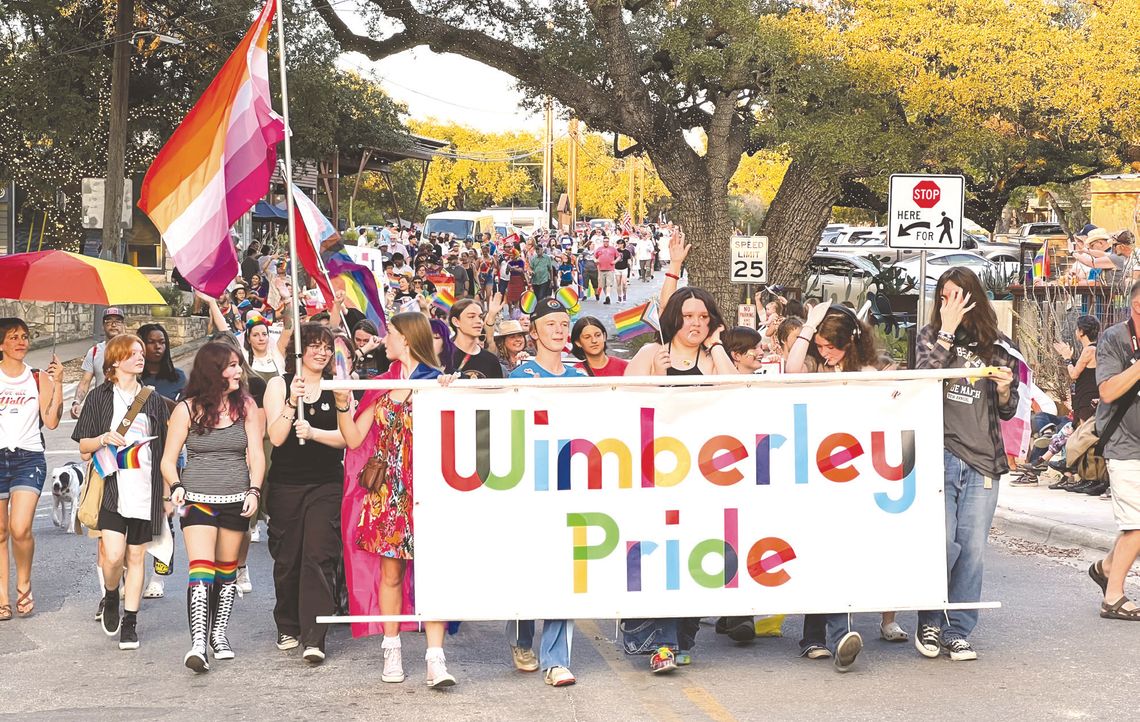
(1055, 517)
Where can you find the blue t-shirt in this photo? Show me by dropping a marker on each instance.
(530, 369)
(566, 274)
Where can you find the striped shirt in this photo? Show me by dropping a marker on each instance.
(95, 420)
(216, 469)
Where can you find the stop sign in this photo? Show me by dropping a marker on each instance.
(926, 194)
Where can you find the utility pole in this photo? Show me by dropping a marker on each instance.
(641, 186)
(572, 174)
(548, 163)
(117, 132)
(629, 206)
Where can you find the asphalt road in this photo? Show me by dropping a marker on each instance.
(1045, 655)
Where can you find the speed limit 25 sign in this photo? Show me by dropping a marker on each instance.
(749, 259)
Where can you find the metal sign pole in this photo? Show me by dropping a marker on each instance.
(921, 289)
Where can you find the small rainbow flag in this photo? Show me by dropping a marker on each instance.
(1041, 264)
(341, 356)
(631, 323)
(359, 288)
(443, 300)
(128, 456)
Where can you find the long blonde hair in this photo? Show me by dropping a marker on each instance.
(414, 326)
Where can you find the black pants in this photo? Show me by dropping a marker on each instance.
(542, 290)
(304, 540)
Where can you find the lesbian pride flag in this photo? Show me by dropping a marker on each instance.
(217, 164)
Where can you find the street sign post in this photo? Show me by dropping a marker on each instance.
(925, 212)
(748, 259)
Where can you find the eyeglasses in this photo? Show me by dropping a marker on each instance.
(319, 347)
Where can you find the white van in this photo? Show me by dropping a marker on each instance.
(465, 225)
(526, 220)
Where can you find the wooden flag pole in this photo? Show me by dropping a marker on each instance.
(288, 173)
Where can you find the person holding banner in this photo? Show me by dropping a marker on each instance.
(550, 327)
(833, 339)
(132, 510)
(692, 322)
(963, 333)
(305, 489)
(383, 526)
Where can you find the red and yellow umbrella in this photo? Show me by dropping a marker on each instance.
(69, 277)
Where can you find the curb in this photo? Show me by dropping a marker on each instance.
(1047, 531)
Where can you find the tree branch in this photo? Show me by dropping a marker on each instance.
(420, 29)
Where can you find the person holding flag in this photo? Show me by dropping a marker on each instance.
(132, 512)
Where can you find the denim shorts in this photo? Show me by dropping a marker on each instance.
(21, 470)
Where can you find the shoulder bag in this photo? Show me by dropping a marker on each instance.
(91, 498)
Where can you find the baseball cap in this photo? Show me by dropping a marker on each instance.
(1124, 237)
(113, 311)
(546, 307)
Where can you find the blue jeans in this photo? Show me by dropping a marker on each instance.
(969, 514)
(824, 630)
(644, 636)
(22, 470)
(556, 635)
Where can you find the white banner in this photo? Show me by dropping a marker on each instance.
(679, 502)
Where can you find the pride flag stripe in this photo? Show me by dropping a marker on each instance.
(201, 571)
(217, 164)
(225, 571)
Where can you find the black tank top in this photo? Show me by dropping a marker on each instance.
(313, 463)
(694, 371)
(1085, 390)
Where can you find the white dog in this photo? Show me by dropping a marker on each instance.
(65, 484)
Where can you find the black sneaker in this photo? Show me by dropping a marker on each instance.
(959, 650)
(285, 642)
(111, 620)
(129, 635)
(927, 640)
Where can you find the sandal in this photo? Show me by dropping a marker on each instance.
(5, 612)
(892, 632)
(1115, 611)
(25, 605)
(1096, 572)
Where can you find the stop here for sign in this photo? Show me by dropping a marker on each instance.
(925, 211)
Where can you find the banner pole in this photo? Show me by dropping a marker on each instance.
(288, 175)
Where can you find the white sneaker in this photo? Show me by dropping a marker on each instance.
(154, 590)
(437, 674)
(243, 584)
(313, 655)
(393, 662)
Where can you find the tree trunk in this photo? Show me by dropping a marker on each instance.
(796, 219)
(703, 213)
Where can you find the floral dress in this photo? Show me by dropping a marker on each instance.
(385, 525)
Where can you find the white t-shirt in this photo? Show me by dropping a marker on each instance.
(644, 249)
(20, 412)
(134, 484)
(93, 362)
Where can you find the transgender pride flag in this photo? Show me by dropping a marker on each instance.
(217, 164)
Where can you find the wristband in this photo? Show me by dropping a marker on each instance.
(175, 487)
(674, 276)
(290, 405)
(345, 410)
(253, 490)
(946, 336)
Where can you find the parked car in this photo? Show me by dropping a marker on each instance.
(938, 263)
(839, 277)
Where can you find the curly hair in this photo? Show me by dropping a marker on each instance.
(207, 388)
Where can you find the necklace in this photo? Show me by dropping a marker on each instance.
(124, 396)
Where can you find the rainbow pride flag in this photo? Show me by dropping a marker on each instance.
(128, 456)
(443, 300)
(217, 164)
(1041, 264)
(359, 287)
(110, 459)
(631, 323)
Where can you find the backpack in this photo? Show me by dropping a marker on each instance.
(1084, 449)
